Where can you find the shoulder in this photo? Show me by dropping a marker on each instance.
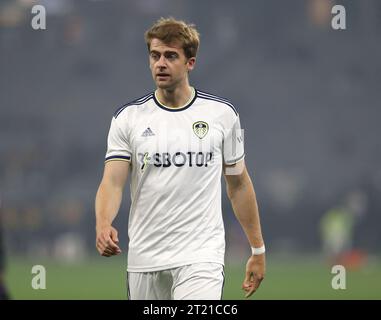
(223, 102)
(137, 102)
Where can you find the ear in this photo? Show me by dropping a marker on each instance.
(191, 63)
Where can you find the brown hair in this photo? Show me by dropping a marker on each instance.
(170, 30)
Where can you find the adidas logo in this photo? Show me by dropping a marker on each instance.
(148, 132)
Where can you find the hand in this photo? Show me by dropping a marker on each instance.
(107, 241)
(255, 272)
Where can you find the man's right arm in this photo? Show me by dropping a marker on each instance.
(107, 204)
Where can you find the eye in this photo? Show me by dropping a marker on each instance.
(171, 55)
(154, 56)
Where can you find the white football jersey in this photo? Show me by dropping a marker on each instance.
(176, 157)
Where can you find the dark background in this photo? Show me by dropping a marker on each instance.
(308, 97)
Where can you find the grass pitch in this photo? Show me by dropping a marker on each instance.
(100, 278)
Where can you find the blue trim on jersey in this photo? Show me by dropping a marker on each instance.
(176, 109)
(118, 157)
(234, 161)
(138, 101)
(212, 97)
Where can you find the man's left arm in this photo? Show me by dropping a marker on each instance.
(242, 196)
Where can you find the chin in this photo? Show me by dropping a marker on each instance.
(162, 85)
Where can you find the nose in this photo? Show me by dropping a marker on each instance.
(161, 63)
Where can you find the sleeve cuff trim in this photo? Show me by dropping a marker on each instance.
(234, 161)
(120, 158)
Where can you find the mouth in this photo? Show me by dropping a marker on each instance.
(162, 76)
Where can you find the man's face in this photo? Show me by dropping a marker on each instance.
(168, 64)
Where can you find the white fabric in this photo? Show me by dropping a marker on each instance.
(258, 251)
(175, 215)
(200, 281)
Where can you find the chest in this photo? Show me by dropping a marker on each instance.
(176, 133)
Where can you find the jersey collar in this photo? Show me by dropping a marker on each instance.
(186, 106)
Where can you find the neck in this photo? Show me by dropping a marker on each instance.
(174, 98)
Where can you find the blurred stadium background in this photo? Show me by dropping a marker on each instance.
(309, 99)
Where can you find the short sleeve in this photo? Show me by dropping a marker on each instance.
(233, 143)
(118, 147)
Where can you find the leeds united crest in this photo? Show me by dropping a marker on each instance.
(200, 128)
